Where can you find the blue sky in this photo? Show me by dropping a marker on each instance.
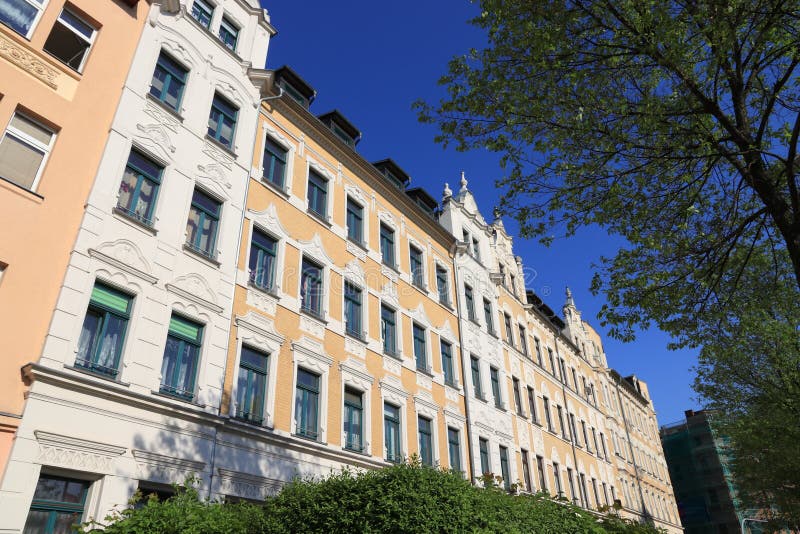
(371, 60)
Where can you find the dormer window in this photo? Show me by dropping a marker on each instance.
(341, 127)
(294, 86)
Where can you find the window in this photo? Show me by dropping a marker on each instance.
(355, 221)
(21, 15)
(504, 468)
(532, 404)
(585, 436)
(275, 157)
(425, 440)
(470, 300)
(263, 250)
(389, 330)
(103, 331)
(169, 80)
(513, 286)
(447, 363)
(24, 150)
(181, 355)
(605, 493)
(564, 376)
(476, 253)
(596, 494)
(441, 285)
(526, 471)
(306, 404)
(476, 377)
(523, 342)
(557, 479)
(311, 288)
(483, 446)
(317, 194)
(584, 493)
(353, 420)
(517, 396)
(552, 361)
(387, 246)
(417, 267)
(139, 187)
(228, 33)
(574, 429)
(57, 504)
(202, 11)
(201, 228)
(391, 432)
(222, 121)
(488, 317)
(547, 416)
(251, 387)
(352, 310)
(572, 492)
(538, 346)
(420, 348)
(540, 469)
(561, 422)
(70, 40)
(495, 379)
(509, 331)
(454, 448)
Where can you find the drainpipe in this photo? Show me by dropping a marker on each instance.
(569, 426)
(470, 452)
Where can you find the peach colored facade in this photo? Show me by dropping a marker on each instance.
(40, 222)
(272, 320)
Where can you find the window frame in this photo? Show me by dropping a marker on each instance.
(469, 302)
(454, 448)
(422, 360)
(185, 341)
(475, 374)
(485, 457)
(204, 213)
(488, 316)
(31, 143)
(231, 29)
(517, 396)
(449, 369)
(395, 456)
(219, 120)
(254, 417)
(209, 5)
(426, 437)
(523, 342)
(55, 508)
(418, 273)
(507, 321)
(505, 468)
(98, 307)
(356, 236)
(40, 7)
(302, 429)
(320, 284)
(494, 378)
(170, 77)
(346, 418)
(269, 138)
(388, 240)
(89, 40)
(253, 278)
(142, 176)
(532, 404)
(526, 471)
(390, 347)
(322, 189)
(443, 285)
(358, 332)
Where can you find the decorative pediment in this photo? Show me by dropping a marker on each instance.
(356, 194)
(268, 220)
(355, 273)
(446, 331)
(311, 354)
(163, 468)
(355, 372)
(259, 325)
(425, 405)
(75, 453)
(392, 390)
(124, 255)
(213, 175)
(217, 155)
(159, 135)
(316, 250)
(388, 218)
(389, 294)
(161, 117)
(181, 52)
(247, 486)
(28, 61)
(195, 288)
(418, 315)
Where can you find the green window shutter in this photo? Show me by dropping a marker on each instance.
(186, 329)
(110, 298)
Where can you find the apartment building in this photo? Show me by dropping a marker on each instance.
(62, 65)
(344, 345)
(126, 390)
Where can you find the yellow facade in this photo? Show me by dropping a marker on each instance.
(75, 105)
(283, 215)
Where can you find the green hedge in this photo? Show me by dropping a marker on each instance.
(403, 498)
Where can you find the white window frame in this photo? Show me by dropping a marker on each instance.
(428, 351)
(412, 243)
(396, 397)
(40, 6)
(428, 410)
(359, 380)
(398, 324)
(458, 422)
(364, 302)
(384, 221)
(312, 164)
(90, 40)
(280, 140)
(438, 264)
(255, 224)
(314, 362)
(32, 143)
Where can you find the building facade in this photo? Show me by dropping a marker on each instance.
(249, 300)
(127, 389)
(62, 65)
(698, 464)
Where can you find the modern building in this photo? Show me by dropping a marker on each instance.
(126, 389)
(698, 463)
(62, 65)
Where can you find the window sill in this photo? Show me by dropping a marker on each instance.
(21, 189)
(447, 304)
(420, 287)
(359, 244)
(159, 393)
(314, 315)
(394, 267)
(322, 219)
(536, 422)
(450, 384)
(163, 105)
(474, 321)
(314, 439)
(361, 338)
(427, 371)
(275, 187)
(393, 355)
(201, 256)
(271, 291)
(482, 399)
(361, 451)
(228, 150)
(522, 415)
(128, 218)
(88, 372)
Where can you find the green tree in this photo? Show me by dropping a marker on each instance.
(672, 124)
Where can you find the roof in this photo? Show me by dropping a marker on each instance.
(303, 87)
(422, 197)
(336, 117)
(390, 165)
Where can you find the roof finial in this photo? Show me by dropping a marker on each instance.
(463, 183)
(570, 301)
(447, 191)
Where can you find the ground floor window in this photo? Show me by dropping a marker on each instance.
(57, 505)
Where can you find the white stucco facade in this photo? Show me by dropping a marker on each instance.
(119, 428)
